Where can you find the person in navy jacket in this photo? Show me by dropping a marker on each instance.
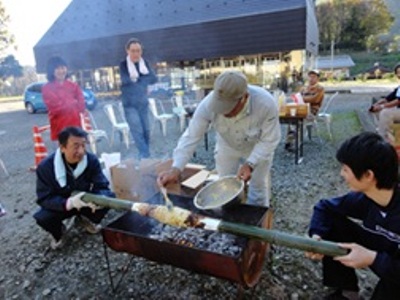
(67, 170)
(366, 221)
(136, 76)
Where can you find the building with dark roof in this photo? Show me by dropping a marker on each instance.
(91, 34)
(335, 66)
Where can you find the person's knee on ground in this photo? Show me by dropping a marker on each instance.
(52, 225)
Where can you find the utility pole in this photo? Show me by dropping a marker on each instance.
(332, 54)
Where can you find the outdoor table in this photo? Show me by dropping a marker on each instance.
(298, 122)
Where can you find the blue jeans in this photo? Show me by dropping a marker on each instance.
(138, 120)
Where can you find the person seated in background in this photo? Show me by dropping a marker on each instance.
(312, 93)
(387, 108)
(369, 165)
(69, 169)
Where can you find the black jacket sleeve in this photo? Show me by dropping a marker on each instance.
(351, 205)
(49, 193)
(392, 96)
(123, 70)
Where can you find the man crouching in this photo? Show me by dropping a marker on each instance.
(69, 169)
(366, 220)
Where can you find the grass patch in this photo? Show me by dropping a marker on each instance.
(345, 125)
(11, 98)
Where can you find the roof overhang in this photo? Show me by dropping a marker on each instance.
(274, 31)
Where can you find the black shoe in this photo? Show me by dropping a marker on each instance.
(289, 147)
(343, 295)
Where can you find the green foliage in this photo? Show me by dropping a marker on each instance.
(365, 60)
(7, 39)
(350, 23)
(10, 67)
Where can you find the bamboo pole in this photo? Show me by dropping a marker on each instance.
(104, 201)
(184, 218)
(283, 239)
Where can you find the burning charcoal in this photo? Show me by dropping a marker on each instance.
(222, 243)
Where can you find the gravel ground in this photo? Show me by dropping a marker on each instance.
(78, 271)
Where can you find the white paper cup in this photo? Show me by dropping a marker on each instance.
(293, 112)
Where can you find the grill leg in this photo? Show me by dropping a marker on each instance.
(125, 269)
(239, 292)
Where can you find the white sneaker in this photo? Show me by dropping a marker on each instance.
(88, 225)
(56, 245)
(69, 223)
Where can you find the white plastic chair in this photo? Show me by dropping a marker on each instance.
(324, 116)
(179, 111)
(2, 165)
(94, 134)
(162, 118)
(118, 124)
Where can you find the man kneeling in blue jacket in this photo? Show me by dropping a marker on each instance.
(370, 169)
(69, 169)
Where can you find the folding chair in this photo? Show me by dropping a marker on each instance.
(94, 134)
(179, 111)
(2, 165)
(118, 124)
(323, 116)
(162, 118)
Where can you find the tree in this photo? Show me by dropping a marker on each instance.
(331, 19)
(10, 67)
(7, 39)
(352, 23)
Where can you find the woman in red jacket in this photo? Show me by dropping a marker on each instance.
(63, 98)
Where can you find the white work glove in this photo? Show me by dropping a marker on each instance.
(76, 202)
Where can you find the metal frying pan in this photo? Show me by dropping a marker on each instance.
(222, 192)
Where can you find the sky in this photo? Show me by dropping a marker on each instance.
(30, 20)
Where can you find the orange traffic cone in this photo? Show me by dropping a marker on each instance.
(39, 146)
(85, 121)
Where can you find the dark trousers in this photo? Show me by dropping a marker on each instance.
(138, 120)
(337, 275)
(51, 220)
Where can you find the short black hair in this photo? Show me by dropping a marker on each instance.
(132, 41)
(52, 64)
(369, 151)
(396, 67)
(64, 134)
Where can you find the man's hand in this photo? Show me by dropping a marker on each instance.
(244, 172)
(359, 256)
(170, 176)
(76, 202)
(313, 255)
(378, 106)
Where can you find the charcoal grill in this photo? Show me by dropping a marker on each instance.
(131, 234)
